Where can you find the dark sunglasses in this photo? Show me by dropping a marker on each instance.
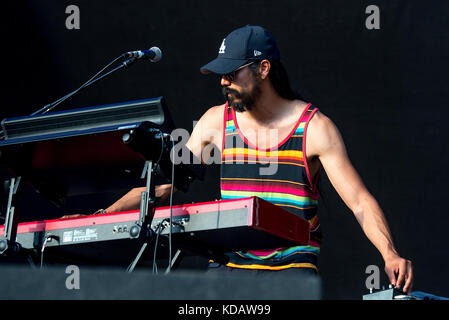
(231, 75)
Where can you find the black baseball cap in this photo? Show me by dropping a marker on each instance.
(240, 47)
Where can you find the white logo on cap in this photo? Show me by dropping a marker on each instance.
(222, 47)
(257, 53)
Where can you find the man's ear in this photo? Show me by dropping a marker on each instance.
(264, 69)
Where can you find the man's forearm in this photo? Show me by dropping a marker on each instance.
(130, 201)
(375, 226)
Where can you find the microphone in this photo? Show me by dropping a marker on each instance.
(153, 54)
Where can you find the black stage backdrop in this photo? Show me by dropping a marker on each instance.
(386, 90)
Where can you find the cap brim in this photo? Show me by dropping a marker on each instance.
(222, 66)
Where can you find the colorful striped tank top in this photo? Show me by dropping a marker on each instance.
(245, 172)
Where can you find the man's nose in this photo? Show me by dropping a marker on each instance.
(225, 82)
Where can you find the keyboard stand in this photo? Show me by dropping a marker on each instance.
(147, 209)
(8, 243)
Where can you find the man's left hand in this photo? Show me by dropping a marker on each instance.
(400, 273)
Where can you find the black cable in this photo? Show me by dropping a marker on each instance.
(159, 229)
(155, 250)
(162, 149)
(48, 238)
(156, 166)
(171, 203)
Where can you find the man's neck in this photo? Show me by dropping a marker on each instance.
(269, 108)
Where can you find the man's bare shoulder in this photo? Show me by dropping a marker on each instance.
(321, 121)
(322, 134)
(213, 117)
(208, 130)
(214, 113)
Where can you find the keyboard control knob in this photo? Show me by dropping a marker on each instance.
(134, 231)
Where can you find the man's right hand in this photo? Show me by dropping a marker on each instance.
(163, 191)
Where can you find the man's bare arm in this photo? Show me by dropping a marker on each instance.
(207, 134)
(131, 200)
(326, 142)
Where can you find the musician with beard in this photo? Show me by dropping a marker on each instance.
(264, 122)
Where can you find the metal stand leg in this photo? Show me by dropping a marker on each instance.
(179, 255)
(147, 205)
(136, 260)
(7, 241)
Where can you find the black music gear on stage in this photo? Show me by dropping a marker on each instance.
(231, 225)
(83, 151)
(146, 138)
(388, 294)
(394, 294)
(80, 151)
(97, 118)
(204, 229)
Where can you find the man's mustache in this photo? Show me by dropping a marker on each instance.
(226, 90)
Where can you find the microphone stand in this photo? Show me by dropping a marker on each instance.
(51, 106)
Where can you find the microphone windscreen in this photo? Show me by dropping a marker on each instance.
(158, 54)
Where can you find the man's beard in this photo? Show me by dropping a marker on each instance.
(247, 99)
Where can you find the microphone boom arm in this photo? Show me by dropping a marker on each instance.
(51, 106)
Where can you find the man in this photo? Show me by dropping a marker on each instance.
(264, 123)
